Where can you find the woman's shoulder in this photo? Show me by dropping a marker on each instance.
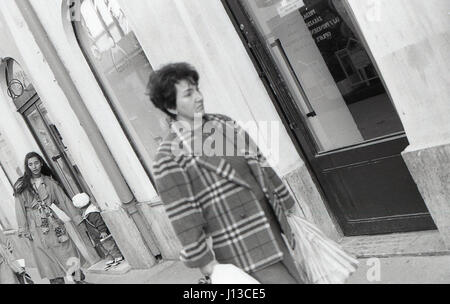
(18, 185)
(165, 147)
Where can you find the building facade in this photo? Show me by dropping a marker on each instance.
(350, 100)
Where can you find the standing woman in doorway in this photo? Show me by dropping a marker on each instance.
(37, 195)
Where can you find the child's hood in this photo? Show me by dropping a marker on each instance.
(91, 209)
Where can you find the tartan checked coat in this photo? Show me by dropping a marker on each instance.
(204, 196)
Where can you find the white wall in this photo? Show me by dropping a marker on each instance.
(58, 106)
(12, 125)
(201, 33)
(410, 40)
(56, 22)
(15, 132)
(7, 210)
(16, 136)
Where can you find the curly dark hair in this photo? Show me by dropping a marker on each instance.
(161, 86)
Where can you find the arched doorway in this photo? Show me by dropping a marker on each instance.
(44, 131)
(48, 138)
(122, 70)
(121, 67)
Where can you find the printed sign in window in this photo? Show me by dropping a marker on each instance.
(288, 6)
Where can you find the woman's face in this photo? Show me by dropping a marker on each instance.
(189, 100)
(35, 166)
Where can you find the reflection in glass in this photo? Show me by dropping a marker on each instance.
(331, 76)
(49, 146)
(123, 71)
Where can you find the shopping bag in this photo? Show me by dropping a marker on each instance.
(320, 258)
(230, 274)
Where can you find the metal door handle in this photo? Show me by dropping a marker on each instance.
(277, 44)
(55, 158)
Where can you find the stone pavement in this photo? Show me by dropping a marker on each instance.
(170, 272)
(409, 258)
(393, 270)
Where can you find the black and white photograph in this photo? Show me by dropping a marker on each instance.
(207, 143)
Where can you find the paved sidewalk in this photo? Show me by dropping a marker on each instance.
(417, 257)
(393, 270)
(404, 270)
(171, 272)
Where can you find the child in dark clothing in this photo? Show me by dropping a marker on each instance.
(97, 229)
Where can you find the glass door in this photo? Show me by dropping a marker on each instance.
(319, 73)
(330, 75)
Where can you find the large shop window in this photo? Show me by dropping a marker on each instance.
(122, 69)
(330, 74)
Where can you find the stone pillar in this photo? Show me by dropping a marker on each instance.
(410, 42)
(430, 169)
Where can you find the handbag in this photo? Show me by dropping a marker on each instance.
(320, 258)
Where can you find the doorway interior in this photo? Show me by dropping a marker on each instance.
(315, 65)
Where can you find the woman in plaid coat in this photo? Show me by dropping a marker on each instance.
(226, 192)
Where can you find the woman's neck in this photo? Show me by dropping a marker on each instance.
(193, 124)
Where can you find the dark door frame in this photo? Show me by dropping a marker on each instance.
(278, 90)
(33, 104)
(295, 123)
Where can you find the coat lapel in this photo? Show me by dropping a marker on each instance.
(221, 167)
(218, 165)
(256, 169)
